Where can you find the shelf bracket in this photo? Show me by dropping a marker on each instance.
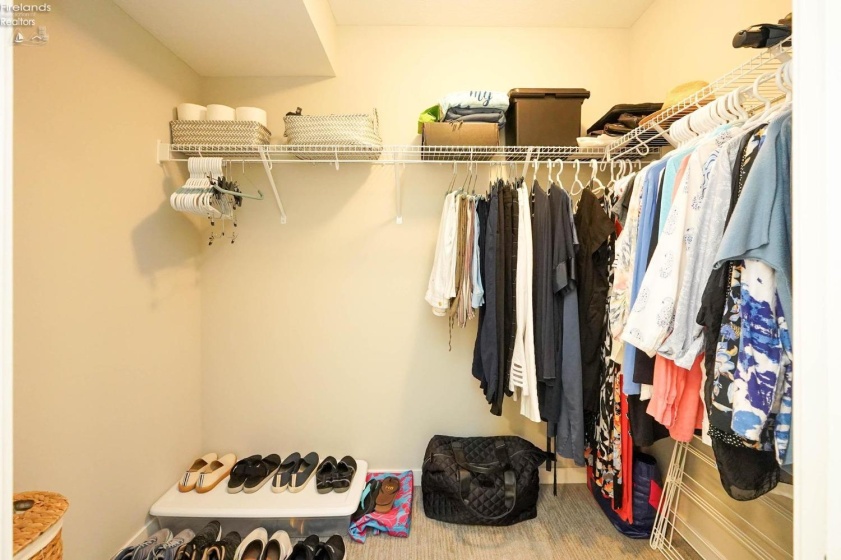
(398, 193)
(267, 166)
(664, 134)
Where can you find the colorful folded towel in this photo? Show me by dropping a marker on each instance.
(397, 521)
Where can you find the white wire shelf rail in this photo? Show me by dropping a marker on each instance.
(388, 154)
(396, 155)
(654, 134)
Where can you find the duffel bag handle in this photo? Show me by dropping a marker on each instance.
(503, 465)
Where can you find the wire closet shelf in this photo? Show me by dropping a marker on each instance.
(388, 154)
(654, 134)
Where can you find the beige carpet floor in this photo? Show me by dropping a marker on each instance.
(568, 527)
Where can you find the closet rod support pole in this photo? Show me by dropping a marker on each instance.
(398, 193)
(264, 156)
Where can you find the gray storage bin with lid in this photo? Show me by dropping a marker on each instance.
(544, 117)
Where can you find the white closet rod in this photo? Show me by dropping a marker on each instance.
(396, 155)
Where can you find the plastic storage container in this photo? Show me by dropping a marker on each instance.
(299, 514)
(544, 117)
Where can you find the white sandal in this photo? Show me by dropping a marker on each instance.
(191, 476)
(215, 472)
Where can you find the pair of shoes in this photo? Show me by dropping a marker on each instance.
(251, 473)
(258, 546)
(311, 549)
(196, 547)
(142, 550)
(168, 549)
(206, 472)
(223, 549)
(333, 476)
(295, 472)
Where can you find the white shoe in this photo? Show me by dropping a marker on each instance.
(215, 472)
(252, 546)
(279, 547)
(191, 476)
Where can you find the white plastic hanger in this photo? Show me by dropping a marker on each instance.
(577, 181)
(560, 163)
(766, 112)
(594, 169)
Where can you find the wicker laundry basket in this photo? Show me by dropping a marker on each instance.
(48, 508)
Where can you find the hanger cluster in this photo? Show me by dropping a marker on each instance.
(730, 108)
(208, 193)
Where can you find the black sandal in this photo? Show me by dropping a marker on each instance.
(240, 473)
(344, 474)
(262, 473)
(325, 475)
(368, 500)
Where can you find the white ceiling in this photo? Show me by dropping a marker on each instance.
(490, 13)
(235, 38)
(231, 38)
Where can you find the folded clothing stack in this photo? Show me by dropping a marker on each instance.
(475, 106)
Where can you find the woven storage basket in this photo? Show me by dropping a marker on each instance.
(48, 510)
(187, 135)
(359, 133)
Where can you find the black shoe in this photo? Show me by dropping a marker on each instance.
(283, 477)
(332, 549)
(325, 475)
(305, 549)
(224, 549)
(194, 550)
(368, 500)
(304, 472)
(344, 474)
(241, 471)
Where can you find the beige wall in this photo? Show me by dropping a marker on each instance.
(106, 324)
(316, 334)
(678, 41)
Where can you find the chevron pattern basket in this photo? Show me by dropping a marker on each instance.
(359, 131)
(207, 134)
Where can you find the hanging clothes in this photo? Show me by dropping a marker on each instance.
(570, 431)
(442, 285)
(522, 374)
(542, 289)
(594, 228)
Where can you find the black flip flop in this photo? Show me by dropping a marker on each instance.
(368, 500)
(344, 474)
(325, 475)
(240, 473)
(287, 468)
(262, 473)
(304, 472)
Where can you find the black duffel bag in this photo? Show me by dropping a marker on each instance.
(481, 480)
